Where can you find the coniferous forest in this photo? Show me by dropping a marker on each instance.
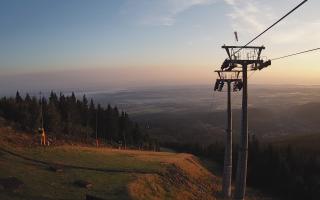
(283, 172)
(78, 120)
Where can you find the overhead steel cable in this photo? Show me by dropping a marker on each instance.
(294, 54)
(271, 26)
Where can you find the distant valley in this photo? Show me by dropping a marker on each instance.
(197, 114)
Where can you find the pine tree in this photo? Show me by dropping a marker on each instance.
(18, 97)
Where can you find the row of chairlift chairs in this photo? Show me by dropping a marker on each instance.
(237, 85)
(228, 66)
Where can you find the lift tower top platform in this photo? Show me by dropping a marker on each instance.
(239, 56)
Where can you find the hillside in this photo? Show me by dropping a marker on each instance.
(309, 143)
(114, 174)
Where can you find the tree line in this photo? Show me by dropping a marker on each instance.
(77, 119)
(283, 172)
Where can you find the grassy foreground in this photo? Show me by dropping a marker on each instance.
(114, 174)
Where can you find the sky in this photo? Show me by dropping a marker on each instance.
(113, 44)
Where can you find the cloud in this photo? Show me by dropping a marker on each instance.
(161, 12)
(245, 15)
(250, 17)
(230, 2)
(298, 32)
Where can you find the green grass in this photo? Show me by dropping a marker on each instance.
(41, 183)
(97, 167)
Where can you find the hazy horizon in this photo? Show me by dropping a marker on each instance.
(121, 44)
(94, 89)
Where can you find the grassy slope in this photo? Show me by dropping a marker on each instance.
(139, 175)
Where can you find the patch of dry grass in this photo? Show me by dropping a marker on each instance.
(182, 178)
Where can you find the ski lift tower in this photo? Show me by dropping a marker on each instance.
(240, 60)
(230, 78)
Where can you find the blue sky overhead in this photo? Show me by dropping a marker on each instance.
(82, 43)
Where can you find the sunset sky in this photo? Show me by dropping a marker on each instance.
(133, 43)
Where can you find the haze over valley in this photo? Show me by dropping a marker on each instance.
(196, 113)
